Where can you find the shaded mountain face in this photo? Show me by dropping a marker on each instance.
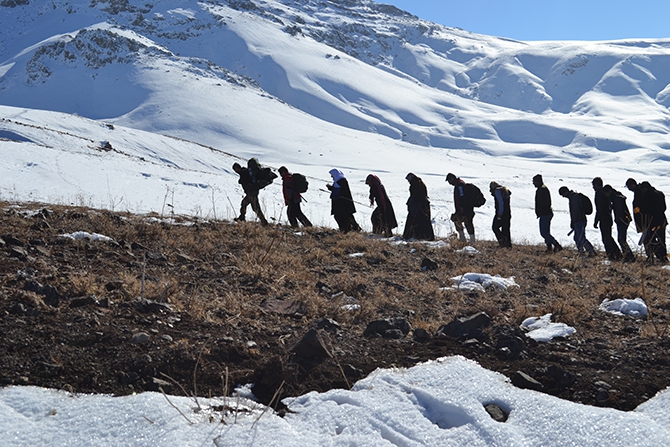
(362, 65)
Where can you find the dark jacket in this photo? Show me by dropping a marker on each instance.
(418, 224)
(378, 194)
(247, 183)
(649, 207)
(576, 211)
(340, 195)
(543, 201)
(501, 196)
(603, 209)
(620, 208)
(462, 202)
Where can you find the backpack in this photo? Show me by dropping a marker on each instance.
(261, 176)
(587, 206)
(300, 183)
(474, 195)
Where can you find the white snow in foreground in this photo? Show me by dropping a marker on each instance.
(480, 282)
(625, 306)
(438, 403)
(81, 235)
(542, 329)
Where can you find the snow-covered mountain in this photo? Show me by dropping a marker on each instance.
(318, 84)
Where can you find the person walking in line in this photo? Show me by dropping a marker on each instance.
(465, 211)
(578, 220)
(622, 219)
(652, 209)
(544, 213)
(251, 190)
(342, 203)
(503, 215)
(603, 218)
(292, 199)
(383, 217)
(418, 224)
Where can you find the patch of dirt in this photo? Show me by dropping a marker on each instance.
(72, 317)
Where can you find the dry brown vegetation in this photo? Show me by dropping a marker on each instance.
(240, 295)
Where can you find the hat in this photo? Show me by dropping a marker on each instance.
(450, 176)
(563, 190)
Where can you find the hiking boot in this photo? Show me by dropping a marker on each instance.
(548, 248)
(557, 247)
(239, 219)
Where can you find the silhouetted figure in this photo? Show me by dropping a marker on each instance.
(503, 215)
(622, 219)
(383, 217)
(544, 213)
(251, 189)
(342, 203)
(603, 218)
(577, 220)
(292, 199)
(418, 225)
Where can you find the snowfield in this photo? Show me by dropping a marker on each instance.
(144, 108)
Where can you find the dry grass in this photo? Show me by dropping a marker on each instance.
(220, 272)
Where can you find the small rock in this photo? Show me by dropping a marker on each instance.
(352, 372)
(311, 346)
(602, 396)
(496, 413)
(11, 240)
(82, 301)
(389, 328)
(523, 380)
(421, 335)
(470, 327)
(140, 338)
(324, 323)
(167, 338)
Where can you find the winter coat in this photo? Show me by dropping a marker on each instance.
(461, 200)
(543, 201)
(247, 183)
(340, 195)
(288, 188)
(576, 210)
(603, 208)
(621, 212)
(378, 194)
(501, 196)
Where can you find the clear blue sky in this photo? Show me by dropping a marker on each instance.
(548, 20)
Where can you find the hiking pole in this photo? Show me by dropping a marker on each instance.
(346, 198)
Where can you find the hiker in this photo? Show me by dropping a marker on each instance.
(251, 189)
(383, 217)
(465, 210)
(649, 214)
(603, 218)
(292, 199)
(503, 215)
(545, 213)
(342, 204)
(622, 219)
(578, 220)
(418, 224)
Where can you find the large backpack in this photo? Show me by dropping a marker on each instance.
(587, 206)
(261, 176)
(474, 195)
(300, 183)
